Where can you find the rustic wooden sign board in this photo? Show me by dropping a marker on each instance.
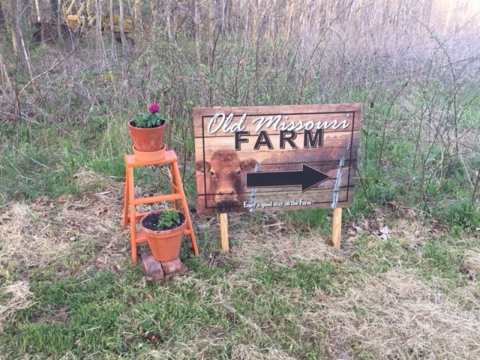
(276, 157)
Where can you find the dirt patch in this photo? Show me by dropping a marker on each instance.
(396, 316)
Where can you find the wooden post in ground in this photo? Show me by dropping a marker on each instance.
(223, 220)
(337, 227)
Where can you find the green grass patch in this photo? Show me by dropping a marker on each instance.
(379, 256)
(460, 215)
(442, 260)
(305, 276)
(307, 219)
(70, 315)
(112, 315)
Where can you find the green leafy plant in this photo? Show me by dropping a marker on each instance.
(168, 219)
(149, 119)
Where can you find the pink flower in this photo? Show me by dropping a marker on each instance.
(154, 107)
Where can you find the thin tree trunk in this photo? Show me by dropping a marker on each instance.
(196, 31)
(14, 40)
(247, 24)
(39, 19)
(154, 19)
(37, 9)
(10, 21)
(112, 33)
(222, 15)
(4, 78)
(168, 13)
(100, 46)
(18, 36)
(26, 56)
(137, 14)
(58, 17)
(122, 29)
(3, 20)
(53, 9)
(89, 12)
(6, 84)
(475, 188)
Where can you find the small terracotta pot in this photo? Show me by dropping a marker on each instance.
(147, 139)
(164, 244)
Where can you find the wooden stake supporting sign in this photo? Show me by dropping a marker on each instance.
(223, 221)
(337, 227)
(276, 158)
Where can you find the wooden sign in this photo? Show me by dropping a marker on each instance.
(276, 157)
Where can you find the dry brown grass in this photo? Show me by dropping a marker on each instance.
(411, 232)
(286, 249)
(396, 316)
(280, 244)
(471, 263)
(50, 230)
(29, 238)
(198, 348)
(18, 297)
(86, 180)
(250, 352)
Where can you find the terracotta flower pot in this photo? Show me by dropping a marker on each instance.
(164, 244)
(147, 139)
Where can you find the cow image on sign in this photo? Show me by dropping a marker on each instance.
(275, 157)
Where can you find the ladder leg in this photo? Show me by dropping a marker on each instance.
(132, 214)
(125, 198)
(186, 211)
(173, 183)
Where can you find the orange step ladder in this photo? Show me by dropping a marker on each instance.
(130, 214)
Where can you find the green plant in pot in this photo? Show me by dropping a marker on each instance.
(164, 231)
(147, 129)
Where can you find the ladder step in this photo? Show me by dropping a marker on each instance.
(138, 216)
(158, 198)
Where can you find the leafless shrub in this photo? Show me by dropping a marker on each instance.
(414, 64)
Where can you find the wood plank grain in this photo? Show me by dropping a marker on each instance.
(339, 139)
(285, 202)
(345, 181)
(275, 109)
(274, 192)
(286, 156)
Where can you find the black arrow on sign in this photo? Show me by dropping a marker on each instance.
(307, 177)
